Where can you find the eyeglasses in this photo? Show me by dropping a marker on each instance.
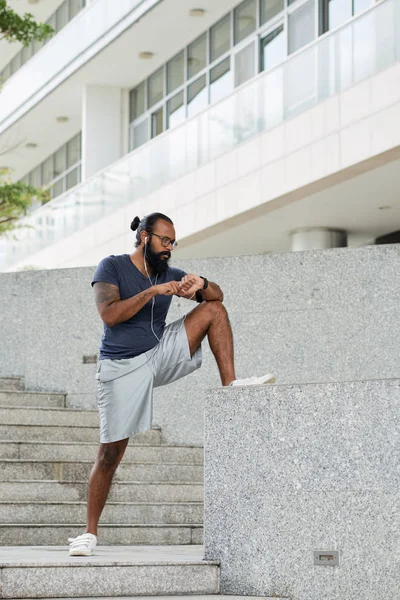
(166, 241)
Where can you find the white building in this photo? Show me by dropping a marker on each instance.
(257, 126)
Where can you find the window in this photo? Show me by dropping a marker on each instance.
(220, 38)
(245, 20)
(48, 170)
(273, 49)
(141, 133)
(156, 87)
(197, 96)
(337, 12)
(221, 83)
(175, 72)
(74, 151)
(197, 56)
(157, 125)
(244, 64)
(72, 179)
(62, 16)
(137, 102)
(270, 8)
(60, 161)
(175, 110)
(302, 26)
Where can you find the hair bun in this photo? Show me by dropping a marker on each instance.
(135, 223)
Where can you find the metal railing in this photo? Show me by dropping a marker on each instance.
(332, 63)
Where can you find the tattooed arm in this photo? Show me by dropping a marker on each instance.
(113, 310)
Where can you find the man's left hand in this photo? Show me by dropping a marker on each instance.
(190, 284)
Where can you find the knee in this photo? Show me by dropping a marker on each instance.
(109, 457)
(217, 309)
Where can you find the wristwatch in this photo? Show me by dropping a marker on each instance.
(205, 286)
(199, 293)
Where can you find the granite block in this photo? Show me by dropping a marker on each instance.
(113, 580)
(296, 468)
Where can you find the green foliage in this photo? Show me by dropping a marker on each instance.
(14, 28)
(15, 201)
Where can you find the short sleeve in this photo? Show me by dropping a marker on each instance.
(177, 274)
(106, 272)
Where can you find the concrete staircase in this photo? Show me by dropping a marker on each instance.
(46, 454)
(151, 528)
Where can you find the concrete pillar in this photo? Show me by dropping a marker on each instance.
(318, 238)
(104, 127)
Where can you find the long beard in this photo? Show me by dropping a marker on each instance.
(159, 265)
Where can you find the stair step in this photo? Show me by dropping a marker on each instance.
(53, 573)
(84, 451)
(11, 383)
(115, 513)
(123, 534)
(23, 399)
(61, 433)
(11, 469)
(63, 417)
(123, 491)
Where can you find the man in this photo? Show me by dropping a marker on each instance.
(138, 352)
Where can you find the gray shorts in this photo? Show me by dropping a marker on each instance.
(125, 386)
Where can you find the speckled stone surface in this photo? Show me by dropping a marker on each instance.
(306, 316)
(296, 468)
(51, 572)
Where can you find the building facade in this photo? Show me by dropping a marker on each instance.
(257, 126)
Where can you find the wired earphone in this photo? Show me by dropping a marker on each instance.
(154, 300)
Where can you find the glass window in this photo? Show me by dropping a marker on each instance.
(220, 38)
(62, 16)
(197, 56)
(74, 151)
(245, 20)
(175, 72)
(175, 110)
(244, 64)
(141, 133)
(197, 96)
(6, 73)
(58, 188)
(302, 26)
(156, 87)
(60, 161)
(48, 170)
(52, 21)
(157, 122)
(137, 102)
(26, 53)
(37, 45)
(75, 6)
(221, 83)
(339, 11)
(273, 49)
(270, 8)
(360, 5)
(16, 62)
(72, 179)
(35, 177)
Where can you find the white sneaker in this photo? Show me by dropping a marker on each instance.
(83, 545)
(254, 380)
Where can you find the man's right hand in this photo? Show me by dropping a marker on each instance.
(168, 289)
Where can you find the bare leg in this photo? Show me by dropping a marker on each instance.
(108, 459)
(211, 318)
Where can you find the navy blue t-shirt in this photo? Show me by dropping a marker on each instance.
(134, 336)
